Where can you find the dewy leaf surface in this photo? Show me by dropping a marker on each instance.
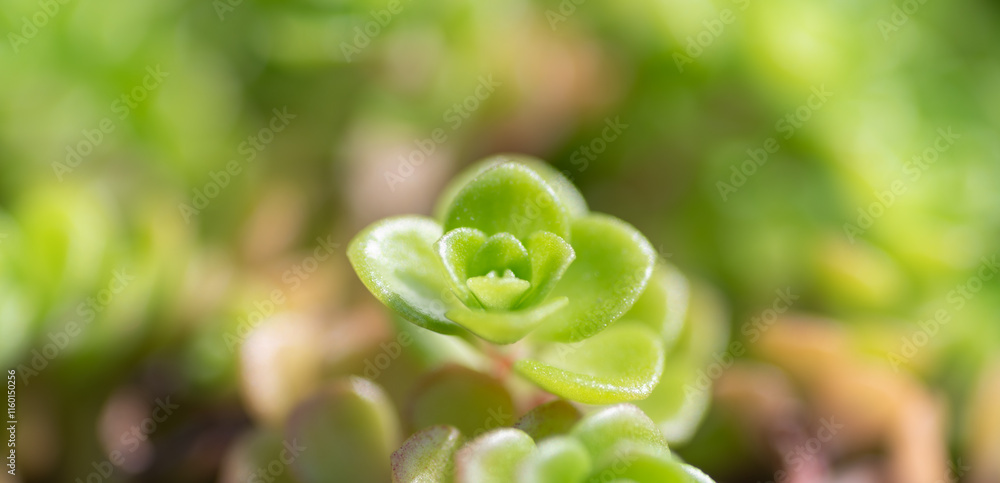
(559, 459)
(641, 463)
(506, 327)
(673, 404)
(498, 292)
(428, 456)
(663, 305)
(501, 252)
(570, 196)
(612, 266)
(509, 198)
(456, 249)
(602, 430)
(550, 257)
(396, 260)
(621, 364)
(493, 457)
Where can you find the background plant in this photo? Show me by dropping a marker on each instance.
(325, 175)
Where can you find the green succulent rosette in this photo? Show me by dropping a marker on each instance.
(514, 255)
(348, 431)
(550, 444)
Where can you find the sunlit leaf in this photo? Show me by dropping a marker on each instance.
(558, 459)
(396, 260)
(427, 457)
(508, 198)
(612, 266)
(493, 457)
(621, 364)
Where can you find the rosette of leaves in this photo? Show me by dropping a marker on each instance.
(514, 255)
(348, 430)
(550, 444)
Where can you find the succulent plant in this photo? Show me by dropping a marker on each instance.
(550, 444)
(514, 255)
(349, 431)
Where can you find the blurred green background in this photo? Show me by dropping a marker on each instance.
(166, 168)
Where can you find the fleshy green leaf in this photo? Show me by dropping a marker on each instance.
(471, 401)
(695, 475)
(612, 267)
(456, 249)
(501, 252)
(428, 456)
(493, 457)
(549, 419)
(506, 327)
(348, 430)
(570, 196)
(663, 305)
(681, 400)
(640, 463)
(602, 430)
(498, 292)
(508, 198)
(550, 257)
(557, 460)
(396, 260)
(621, 364)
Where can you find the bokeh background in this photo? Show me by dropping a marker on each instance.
(175, 173)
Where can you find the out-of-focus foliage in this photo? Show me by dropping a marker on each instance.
(174, 173)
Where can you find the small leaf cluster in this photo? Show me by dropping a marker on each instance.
(550, 444)
(514, 254)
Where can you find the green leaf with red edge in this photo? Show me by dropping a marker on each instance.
(427, 456)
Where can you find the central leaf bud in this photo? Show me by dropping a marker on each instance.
(498, 292)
